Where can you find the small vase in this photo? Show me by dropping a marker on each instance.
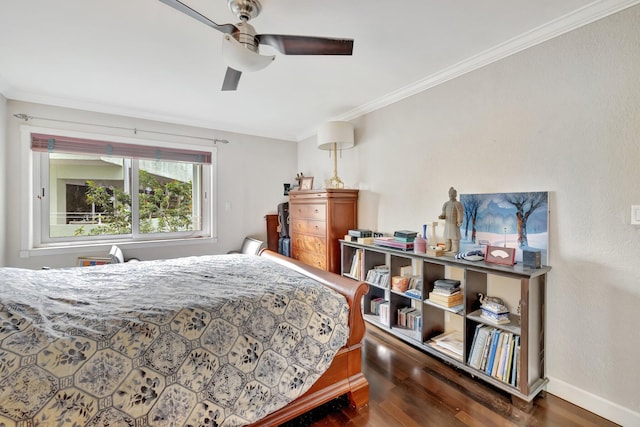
(419, 245)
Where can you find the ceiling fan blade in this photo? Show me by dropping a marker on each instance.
(304, 45)
(231, 79)
(179, 6)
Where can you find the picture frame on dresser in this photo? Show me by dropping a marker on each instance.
(306, 183)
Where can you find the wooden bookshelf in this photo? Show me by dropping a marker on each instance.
(522, 288)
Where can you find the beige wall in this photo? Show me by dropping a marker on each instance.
(250, 174)
(3, 178)
(562, 117)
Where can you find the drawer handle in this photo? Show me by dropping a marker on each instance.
(317, 211)
(316, 227)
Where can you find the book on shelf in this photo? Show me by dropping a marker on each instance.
(415, 320)
(413, 293)
(504, 343)
(507, 373)
(486, 350)
(497, 355)
(478, 345)
(391, 242)
(447, 284)
(515, 370)
(495, 352)
(407, 317)
(360, 232)
(446, 292)
(375, 305)
(405, 239)
(492, 352)
(446, 301)
(406, 270)
(415, 287)
(361, 240)
(379, 276)
(405, 234)
(356, 265)
(385, 312)
(449, 342)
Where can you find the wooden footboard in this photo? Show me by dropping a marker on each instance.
(344, 376)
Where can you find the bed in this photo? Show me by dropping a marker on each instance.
(220, 340)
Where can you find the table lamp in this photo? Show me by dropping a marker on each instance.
(333, 136)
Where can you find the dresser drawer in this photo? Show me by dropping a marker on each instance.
(309, 243)
(317, 211)
(310, 258)
(304, 226)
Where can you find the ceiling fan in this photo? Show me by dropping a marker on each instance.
(240, 42)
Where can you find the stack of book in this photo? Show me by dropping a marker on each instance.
(402, 239)
(360, 236)
(449, 343)
(379, 276)
(415, 288)
(410, 318)
(378, 306)
(446, 292)
(406, 236)
(359, 232)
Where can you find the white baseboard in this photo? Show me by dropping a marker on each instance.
(596, 404)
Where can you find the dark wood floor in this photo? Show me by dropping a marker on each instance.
(410, 388)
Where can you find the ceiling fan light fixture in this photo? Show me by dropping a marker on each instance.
(242, 59)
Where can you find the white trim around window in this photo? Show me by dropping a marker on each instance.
(33, 242)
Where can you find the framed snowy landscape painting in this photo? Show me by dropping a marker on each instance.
(511, 220)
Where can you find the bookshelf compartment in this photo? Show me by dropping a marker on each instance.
(522, 290)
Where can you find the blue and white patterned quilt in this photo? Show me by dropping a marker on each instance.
(201, 341)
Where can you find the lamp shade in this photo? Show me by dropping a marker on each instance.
(339, 133)
(242, 59)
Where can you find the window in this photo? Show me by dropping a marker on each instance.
(95, 189)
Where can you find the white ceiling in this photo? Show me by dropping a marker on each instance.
(144, 59)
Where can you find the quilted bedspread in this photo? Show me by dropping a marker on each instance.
(200, 341)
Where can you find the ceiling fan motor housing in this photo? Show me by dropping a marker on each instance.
(246, 35)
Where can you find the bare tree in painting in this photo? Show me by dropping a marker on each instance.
(471, 204)
(525, 204)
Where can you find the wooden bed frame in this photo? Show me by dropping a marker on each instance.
(344, 376)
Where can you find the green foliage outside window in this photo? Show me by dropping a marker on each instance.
(163, 207)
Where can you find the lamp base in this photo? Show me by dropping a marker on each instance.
(334, 182)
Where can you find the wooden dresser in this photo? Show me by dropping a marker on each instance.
(318, 220)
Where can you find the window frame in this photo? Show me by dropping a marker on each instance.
(35, 235)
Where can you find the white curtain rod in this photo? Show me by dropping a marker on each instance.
(26, 118)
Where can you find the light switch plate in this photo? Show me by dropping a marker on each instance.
(635, 214)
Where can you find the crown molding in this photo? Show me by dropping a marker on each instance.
(580, 17)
